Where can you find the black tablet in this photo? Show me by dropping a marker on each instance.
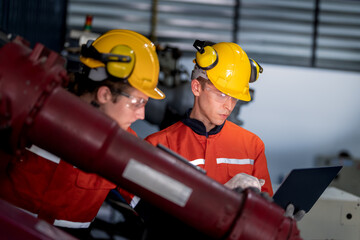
(303, 187)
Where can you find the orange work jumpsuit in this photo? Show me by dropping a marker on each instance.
(51, 189)
(223, 152)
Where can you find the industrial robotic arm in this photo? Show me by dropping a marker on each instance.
(36, 109)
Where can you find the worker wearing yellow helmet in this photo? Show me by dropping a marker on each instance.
(123, 67)
(230, 154)
(120, 73)
(227, 152)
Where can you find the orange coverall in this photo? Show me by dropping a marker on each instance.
(223, 152)
(51, 189)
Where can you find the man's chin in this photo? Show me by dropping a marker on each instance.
(124, 126)
(219, 122)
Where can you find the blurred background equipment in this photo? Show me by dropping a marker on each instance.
(174, 81)
(348, 179)
(336, 215)
(311, 33)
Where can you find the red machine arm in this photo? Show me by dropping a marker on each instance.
(35, 109)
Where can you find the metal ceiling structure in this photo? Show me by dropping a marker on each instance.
(312, 33)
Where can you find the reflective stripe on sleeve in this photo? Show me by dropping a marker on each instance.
(235, 161)
(69, 224)
(134, 201)
(198, 161)
(62, 223)
(45, 154)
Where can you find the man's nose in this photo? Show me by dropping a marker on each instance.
(140, 113)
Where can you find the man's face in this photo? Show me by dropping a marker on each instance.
(214, 107)
(127, 109)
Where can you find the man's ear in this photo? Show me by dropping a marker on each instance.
(103, 95)
(196, 87)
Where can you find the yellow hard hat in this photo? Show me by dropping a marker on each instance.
(228, 67)
(126, 55)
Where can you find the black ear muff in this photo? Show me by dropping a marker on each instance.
(119, 62)
(256, 69)
(206, 55)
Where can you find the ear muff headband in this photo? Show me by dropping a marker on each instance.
(119, 62)
(206, 56)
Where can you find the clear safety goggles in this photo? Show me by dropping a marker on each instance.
(134, 102)
(219, 96)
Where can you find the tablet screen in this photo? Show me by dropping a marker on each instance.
(303, 187)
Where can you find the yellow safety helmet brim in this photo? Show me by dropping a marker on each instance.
(232, 72)
(155, 93)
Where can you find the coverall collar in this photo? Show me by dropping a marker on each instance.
(198, 127)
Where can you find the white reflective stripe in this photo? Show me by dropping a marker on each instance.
(26, 211)
(69, 224)
(62, 223)
(134, 201)
(235, 161)
(45, 154)
(198, 161)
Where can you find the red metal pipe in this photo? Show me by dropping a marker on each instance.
(30, 227)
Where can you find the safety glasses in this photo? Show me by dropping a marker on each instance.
(134, 102)
(219, 96)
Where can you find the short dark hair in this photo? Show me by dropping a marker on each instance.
(80, 84)
(203, 82)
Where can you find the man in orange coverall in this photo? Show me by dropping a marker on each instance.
(50, 188)
(230, 154)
